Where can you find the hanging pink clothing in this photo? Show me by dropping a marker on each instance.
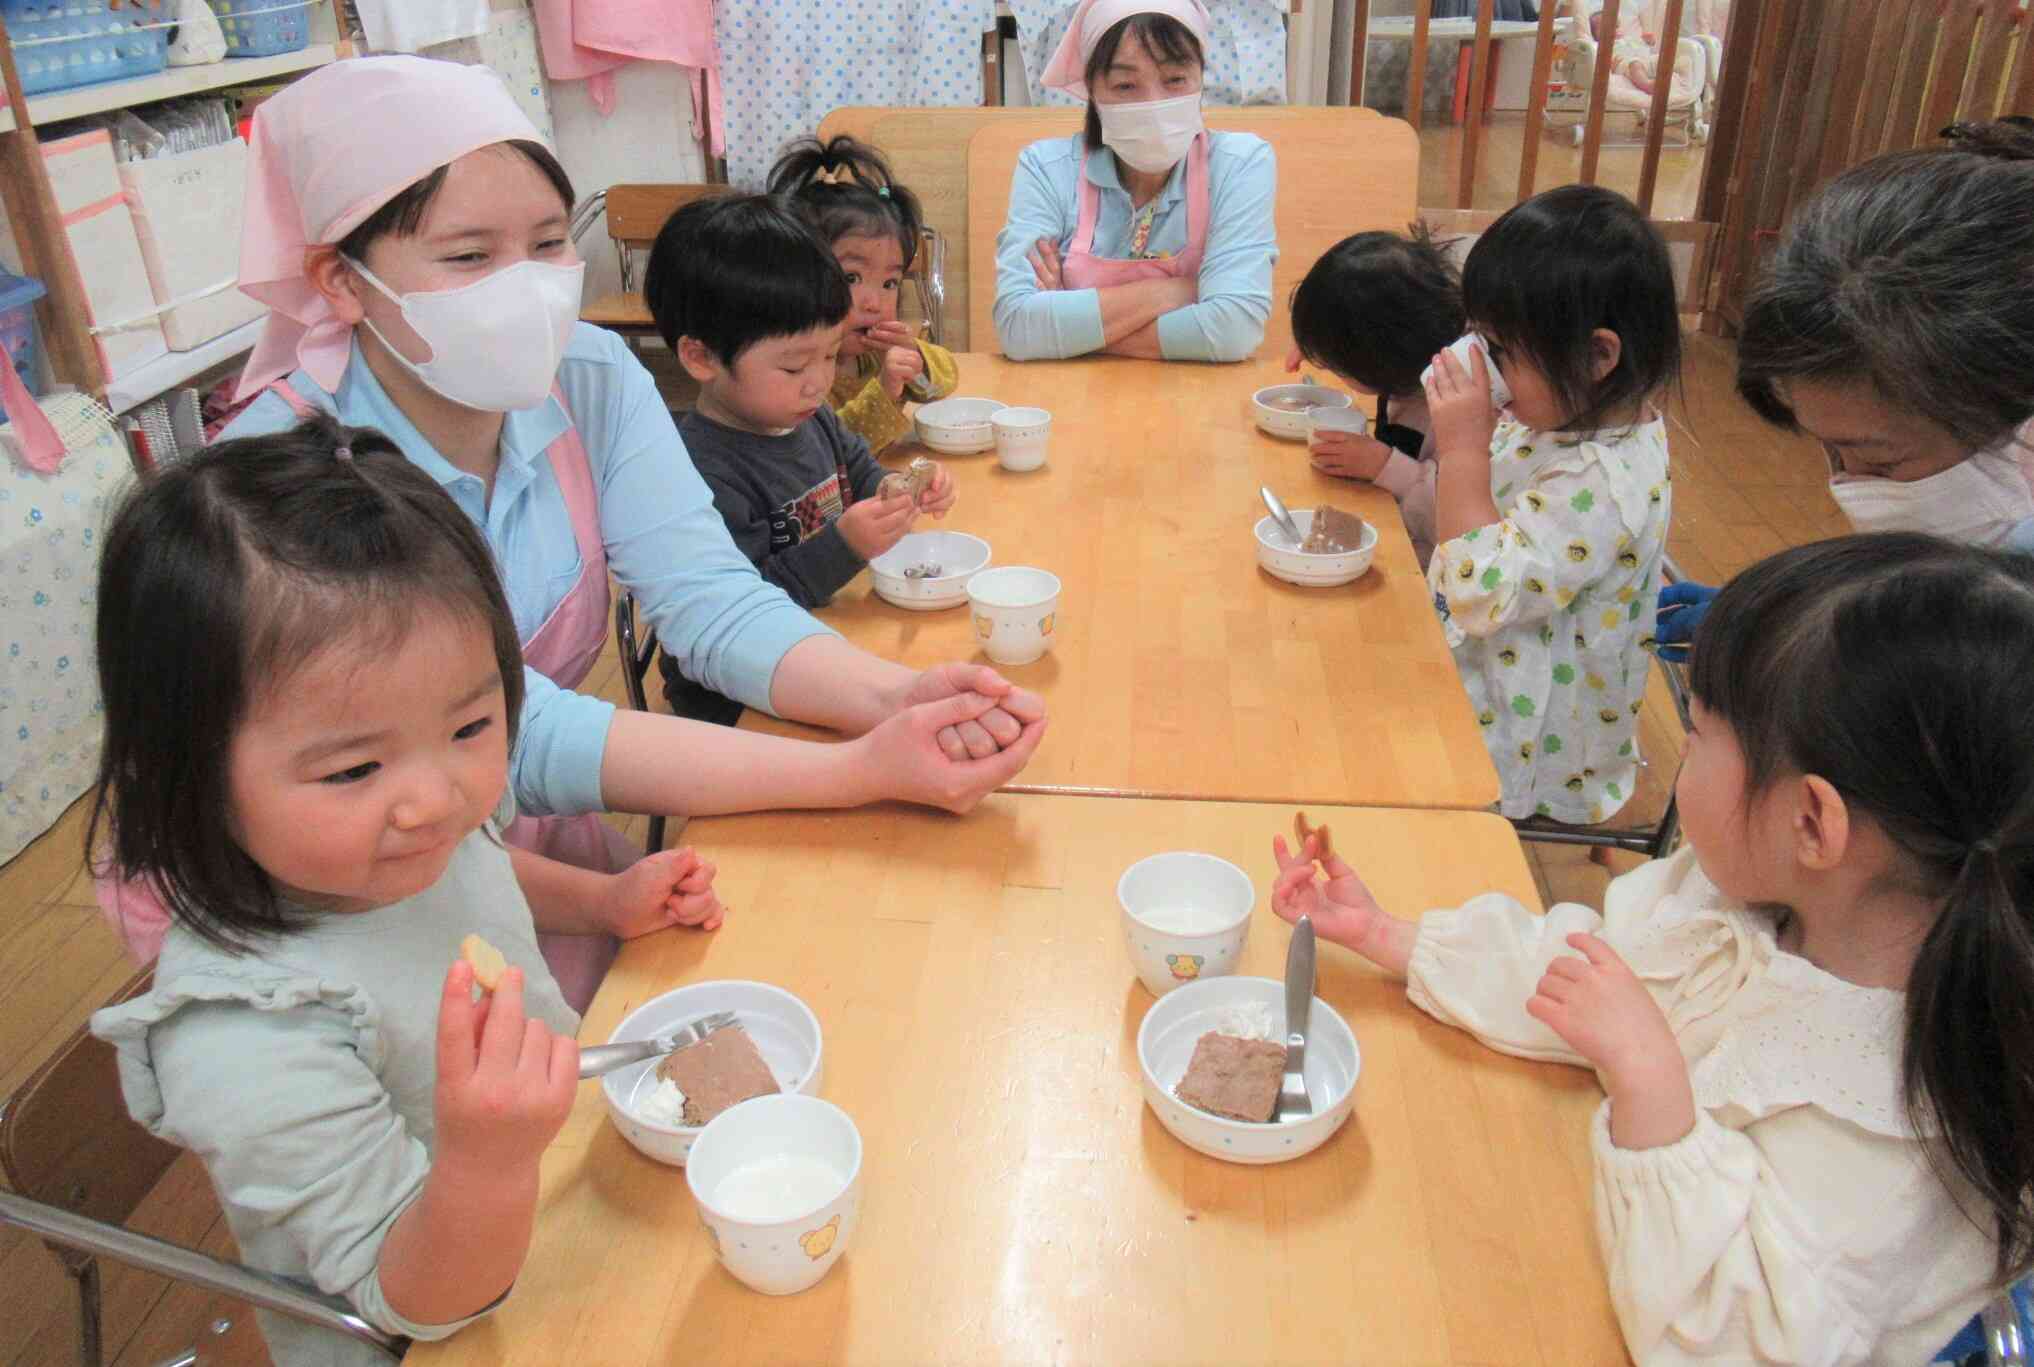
(585, 40)
(563, 649)
(1081, 269)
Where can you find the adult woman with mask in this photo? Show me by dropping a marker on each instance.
(408, 229)
(1144, 234)
(1895, 325)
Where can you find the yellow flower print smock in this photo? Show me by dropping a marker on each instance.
(1549, 613)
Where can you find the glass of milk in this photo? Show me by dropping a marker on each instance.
(778, 1180)
(1186, 916)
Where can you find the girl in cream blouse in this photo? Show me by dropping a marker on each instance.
(1811, 1021)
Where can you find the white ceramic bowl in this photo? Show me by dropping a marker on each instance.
(788, 1249)
(1281, 409)
(1185, 916)
(784, 1029)
(1337, 418)
(1015, 610)
(1284, 560)
(1165, 1045)
(1021, 437)
(958, 427)
(959, 554)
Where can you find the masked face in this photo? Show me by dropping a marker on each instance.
(1150, 112)
(479, 302)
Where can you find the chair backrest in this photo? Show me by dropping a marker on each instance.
(66, 1138)
(1340, 171)
(636, 213)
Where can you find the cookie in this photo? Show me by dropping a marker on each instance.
(488, 963)
(1301, 830)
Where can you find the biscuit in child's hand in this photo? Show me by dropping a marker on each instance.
(488, 963)
(912, 481)
(1301, 830)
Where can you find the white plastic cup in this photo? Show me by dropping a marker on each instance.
(1460, 348)
(1021, 436)
(1014, 608)
(1186, 916)
(1337, 419)
(747, 1170)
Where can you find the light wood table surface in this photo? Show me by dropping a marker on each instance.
(1020, 1202)
(1179, 668)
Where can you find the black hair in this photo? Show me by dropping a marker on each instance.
(220, 574)
(1376, 307)
(1552, 270)
(404, 214)
(734, 270)
(1900, 669)
(1913, 274)
(843, 188)
(1164, 37)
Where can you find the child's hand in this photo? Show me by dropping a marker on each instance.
(1045, 264)
(669, 888)
(871, 526)
(893, 332)
(1348, 455)
(1342, 910)
(1293, 360)
(938, 498)
(906, 760)
(505, 1081)
(1599, 1006)
(901, 365)
(1459, 401)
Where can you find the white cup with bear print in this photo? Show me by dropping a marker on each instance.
(1015, 610)
(1186, 916)
(1461, 348)
(778, 1180)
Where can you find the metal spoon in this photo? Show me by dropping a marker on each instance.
(1280, 515)
(605, 1058)
(1294, 1105)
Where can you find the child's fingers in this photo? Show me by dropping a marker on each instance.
(563, 1073)
(700, 879)
(501, 1039)
(458, 1022)
(534, 1062)
(1594, 950)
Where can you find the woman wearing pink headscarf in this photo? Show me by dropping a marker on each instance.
(1144, 234)
(407, 227)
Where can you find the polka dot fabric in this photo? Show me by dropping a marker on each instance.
(50, 710)
(1246, 57)
(787, 64)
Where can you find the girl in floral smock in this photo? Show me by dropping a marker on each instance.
(1552, 515)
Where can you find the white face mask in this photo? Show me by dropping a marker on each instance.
(496, 343)
(1978, 500)
(1152, 136)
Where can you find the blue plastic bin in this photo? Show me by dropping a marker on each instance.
(59, 44)
(20, 342)
(263, 28)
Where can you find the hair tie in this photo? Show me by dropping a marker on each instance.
(883, 191)
(344, 452)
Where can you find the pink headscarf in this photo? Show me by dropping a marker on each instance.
(1093, 18)
(328, 152)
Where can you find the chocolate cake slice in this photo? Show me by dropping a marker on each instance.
(1333, 531)
(1234, 1078)
(720, 1070)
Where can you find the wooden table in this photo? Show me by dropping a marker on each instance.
(1021, 1204)
(1180, 669)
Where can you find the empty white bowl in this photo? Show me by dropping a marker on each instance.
(785, 1031)
(1186, 916)
(1165, 1045)
(956, 553)
(1021, 436)
(1283, 559)
(1337, 418)
(1015, 608)
(958, 427)
(1281, 409)
(778, 1180)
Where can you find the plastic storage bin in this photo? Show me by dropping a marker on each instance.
(263, 28)
(59, 44)
(20, 343)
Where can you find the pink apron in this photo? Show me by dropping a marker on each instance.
(1081, 269)
(563, 649)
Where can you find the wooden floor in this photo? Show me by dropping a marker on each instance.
(1560, 162)
(1741, 491)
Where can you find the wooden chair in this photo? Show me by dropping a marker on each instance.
(635, 214)
(636, 656)
(79, 1165)
(1340, 171)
